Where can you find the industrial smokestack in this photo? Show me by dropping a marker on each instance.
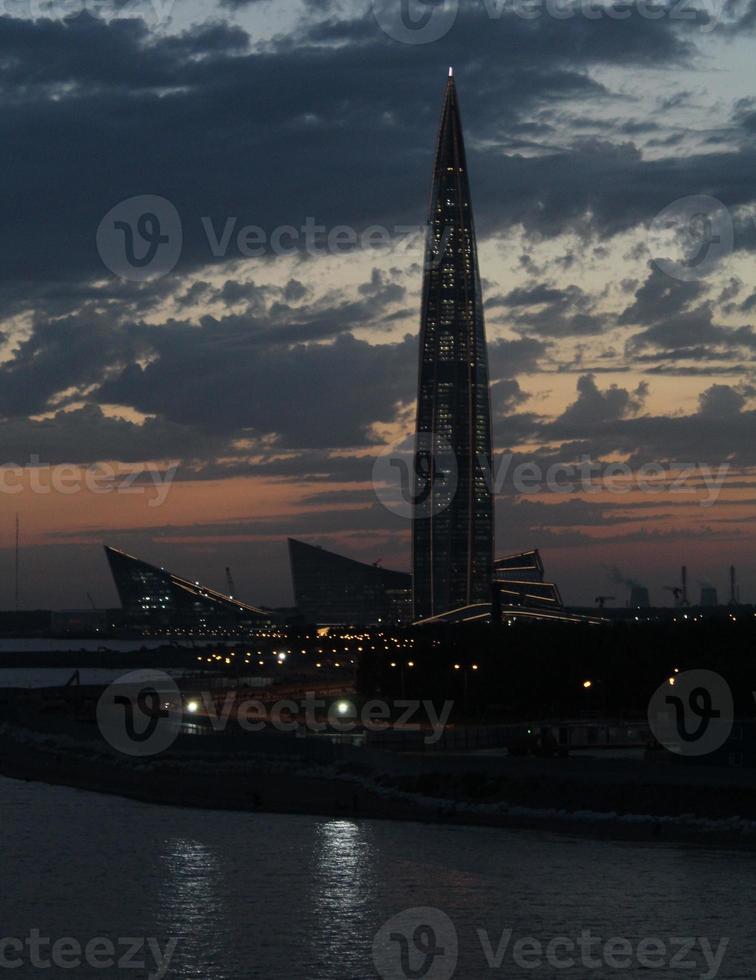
(733, 590)
(639, 598)
(684, 585)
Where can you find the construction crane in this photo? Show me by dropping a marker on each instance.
(601, 599)
(676, 592)
(230, 583)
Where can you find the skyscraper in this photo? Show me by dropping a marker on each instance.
(453, 518)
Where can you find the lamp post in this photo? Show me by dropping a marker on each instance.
(465, 668)
(401, 666)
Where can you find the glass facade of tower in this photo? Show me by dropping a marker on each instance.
(453, 519)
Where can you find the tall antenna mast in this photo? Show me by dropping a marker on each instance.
(18, 534)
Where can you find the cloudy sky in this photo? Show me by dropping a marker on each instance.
(269, 357)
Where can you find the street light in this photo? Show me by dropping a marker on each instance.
(465, 672)
(401, 676)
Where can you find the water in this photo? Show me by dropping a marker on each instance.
(75, 644)
(58, 676)
(302, 898)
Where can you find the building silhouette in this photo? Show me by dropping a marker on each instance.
(519, 592)
(639, 597)
(331, 589)
(453, 521)
(152, 596)
(519, 582)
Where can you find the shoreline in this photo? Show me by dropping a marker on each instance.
(259, 785)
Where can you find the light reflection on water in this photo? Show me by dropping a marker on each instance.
(339, 889)
(301, 898)
(193, 904)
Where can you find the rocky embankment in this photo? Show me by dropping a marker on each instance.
(644, 802)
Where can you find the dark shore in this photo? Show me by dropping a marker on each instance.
(574, 797)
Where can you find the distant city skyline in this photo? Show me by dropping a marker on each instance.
(273, 382)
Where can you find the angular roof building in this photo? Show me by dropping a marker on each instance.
(519, 592)
(153, 595)
(518, 582)
(525, 566)
(330, 589)
(453, 521)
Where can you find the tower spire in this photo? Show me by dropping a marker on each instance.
(453, 523)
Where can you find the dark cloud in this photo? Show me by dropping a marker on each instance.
(219, 378)
(379, 289)
(693, 334)
(741, 16)
(749, 304)
(86, 435)
(721, 402)
(594, 405)
(606, 424)
(679, 321)
(208, 122)
(72, 353)
(661, 297)
(508, 358)
(550, 311)
(505, 395)
(241, 4)
(745, 112)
